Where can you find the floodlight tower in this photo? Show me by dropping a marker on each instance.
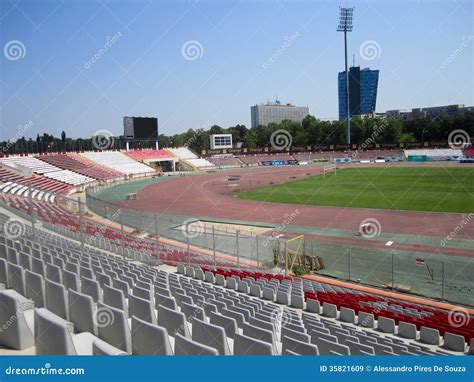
(345, 25)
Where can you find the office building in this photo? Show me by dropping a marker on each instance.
(275, 112)
(362, 91)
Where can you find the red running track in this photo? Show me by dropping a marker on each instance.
(210, 195)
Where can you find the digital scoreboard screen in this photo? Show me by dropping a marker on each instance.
(140, 128)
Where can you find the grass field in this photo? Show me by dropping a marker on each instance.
(445, 189)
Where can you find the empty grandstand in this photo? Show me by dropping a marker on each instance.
(187, 157)
(67, 162)
(117, 161)
(60, 287)
(225, 161)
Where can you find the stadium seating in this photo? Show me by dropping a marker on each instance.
(42, 188)
(89, 300)
(182, 153)
(150, 154)
(254, 160)
(117, 161)
(225, 161)
(29, 162)
(66, 162)
(434, 154)
(188, 157)
(42, 168)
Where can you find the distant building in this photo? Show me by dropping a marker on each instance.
(363, 85)
(427, 112)
(275, 112)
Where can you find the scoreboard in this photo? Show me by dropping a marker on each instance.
(140, 128)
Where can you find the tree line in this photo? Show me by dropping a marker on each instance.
(311, 131)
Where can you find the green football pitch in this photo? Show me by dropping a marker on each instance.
(441, 189)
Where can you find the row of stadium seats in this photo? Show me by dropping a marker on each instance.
(225, 161)
(111, 239)
(149, 154)
(8, 177)
(66, 162)
(73, 300)
(393, 313)
(117, 161)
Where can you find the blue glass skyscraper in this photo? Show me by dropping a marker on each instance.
(362, 91)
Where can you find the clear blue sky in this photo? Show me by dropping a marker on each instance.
(143, 72)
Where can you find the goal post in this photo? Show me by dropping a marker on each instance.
(329, 168)
(294, 252)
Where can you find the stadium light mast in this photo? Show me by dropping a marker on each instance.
(345, 25)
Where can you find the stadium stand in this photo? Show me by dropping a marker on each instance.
(46, 169)
(434, 154)
(254, 160)
(225, 161)
(188, 157)
(15, 184)
(117, 161)
(67, 162)
(182, 153)
(69, 177)
(29, 162)
(57, 289)
(150, 154)
(91, 163)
